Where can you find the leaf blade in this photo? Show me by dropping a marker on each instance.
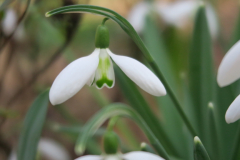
(32, 127)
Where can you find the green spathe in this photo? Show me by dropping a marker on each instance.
(111, 142)
(102, 37)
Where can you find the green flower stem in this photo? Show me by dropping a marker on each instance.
(127, 27)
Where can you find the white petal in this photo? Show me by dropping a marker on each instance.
(9, 22)
(13, 155)
(52, 150)
(137, 15)
(212, 21)
(233, 112)
(139, 155)
(176, 13)
(91, 79)
(104, 75)
(228, 71)
(73, 78)
(89, 157)
(139, 74)
(113, 157)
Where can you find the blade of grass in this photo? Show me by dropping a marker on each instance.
(201, 75)
(32, 128)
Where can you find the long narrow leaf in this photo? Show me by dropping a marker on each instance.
(32, 128)
(201, 75)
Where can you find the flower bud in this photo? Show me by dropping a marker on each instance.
(102, 37)
(111, 142)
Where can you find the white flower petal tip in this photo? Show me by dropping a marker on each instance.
(73, 77)
(140, 155)
(9, 22)
(228, 71)
(89, 157)
(176, 13)
(52, 150)
(139, 74)
(233, 112)
(212, 20)
(137, 15)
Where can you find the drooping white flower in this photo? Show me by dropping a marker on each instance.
(228, 72)
(176, 13)
(9, 24)
(49, 149)
(136, 155)
(97, 69)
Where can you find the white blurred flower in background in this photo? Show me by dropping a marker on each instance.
(9, 24)
(177, 13)
(49, 149)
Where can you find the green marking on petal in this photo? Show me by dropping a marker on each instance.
(103, 81)
(104, 73)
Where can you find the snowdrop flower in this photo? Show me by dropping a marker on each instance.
(97, 69)
(173, 13)
(111, 144)
(9, 24)
(136, 155)
(49, 149)
(228, 72)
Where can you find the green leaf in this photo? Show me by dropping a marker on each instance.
(213, 136)
(111, 111)
(201, 75)
(32, 128)
(200, 152)
(145, 147)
